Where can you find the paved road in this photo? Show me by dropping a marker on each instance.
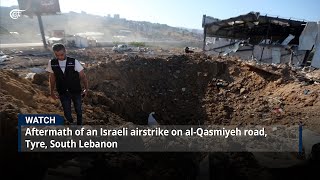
(20, 45)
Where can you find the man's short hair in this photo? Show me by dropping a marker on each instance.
(58, 47)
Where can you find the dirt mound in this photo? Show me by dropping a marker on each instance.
(18, 88)
(20, 95)
(17, 96)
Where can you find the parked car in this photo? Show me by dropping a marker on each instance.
(53, 40)
(121, 48)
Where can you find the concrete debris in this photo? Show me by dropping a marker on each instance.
(151, 120)
(242, 90)
(5, 58)
(37, 70)
(30, 76)
(310, 138)
(306, 92)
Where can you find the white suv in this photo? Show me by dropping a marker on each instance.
(121, 48)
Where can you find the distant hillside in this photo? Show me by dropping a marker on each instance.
(113, 29)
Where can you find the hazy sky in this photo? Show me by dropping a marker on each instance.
(188, 13)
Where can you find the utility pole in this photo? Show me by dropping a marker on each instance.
(204, 38)
(204, 32)
(42, 31)
(37, 8)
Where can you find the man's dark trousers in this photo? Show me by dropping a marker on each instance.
(66, 99)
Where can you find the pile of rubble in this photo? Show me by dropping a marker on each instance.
(193, 89)
(181, 89)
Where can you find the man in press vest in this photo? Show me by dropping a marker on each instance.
(66, 74)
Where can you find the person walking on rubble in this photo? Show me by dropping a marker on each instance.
(66, 74)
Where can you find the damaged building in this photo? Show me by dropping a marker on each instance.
(265, 39)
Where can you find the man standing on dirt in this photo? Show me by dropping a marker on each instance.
(66, 74)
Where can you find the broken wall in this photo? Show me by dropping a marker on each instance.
(277, 54)
(316, 58)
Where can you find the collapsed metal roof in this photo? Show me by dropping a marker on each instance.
(253, 26)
